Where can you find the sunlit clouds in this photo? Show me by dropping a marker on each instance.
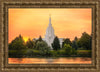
(32, 22)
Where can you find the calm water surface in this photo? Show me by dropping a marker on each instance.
(67, 60)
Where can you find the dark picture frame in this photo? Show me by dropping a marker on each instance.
(6, 4)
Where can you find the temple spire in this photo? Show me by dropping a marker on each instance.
(49, 19)
(49, 36)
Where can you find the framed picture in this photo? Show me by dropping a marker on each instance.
(60, 35)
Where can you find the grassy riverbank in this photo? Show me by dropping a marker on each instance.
(30, 53)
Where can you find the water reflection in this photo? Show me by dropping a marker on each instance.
(69, 60)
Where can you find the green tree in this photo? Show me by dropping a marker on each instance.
(74, 43)
(16, 47)
(68, 49)
(66, 41)
(37, 40)
(30, 44)
(43, 47)
(17, 44)
(40, 39)
(56, 44)
(85, 41)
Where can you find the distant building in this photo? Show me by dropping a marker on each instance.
(49, 36)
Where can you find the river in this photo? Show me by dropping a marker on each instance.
(61, 60)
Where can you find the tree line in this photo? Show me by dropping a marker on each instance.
(39, 48)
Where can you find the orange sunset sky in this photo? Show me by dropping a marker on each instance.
(32, 22)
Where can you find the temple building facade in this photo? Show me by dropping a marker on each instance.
(50, 35)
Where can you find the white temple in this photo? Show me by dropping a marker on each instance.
(49, 36)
